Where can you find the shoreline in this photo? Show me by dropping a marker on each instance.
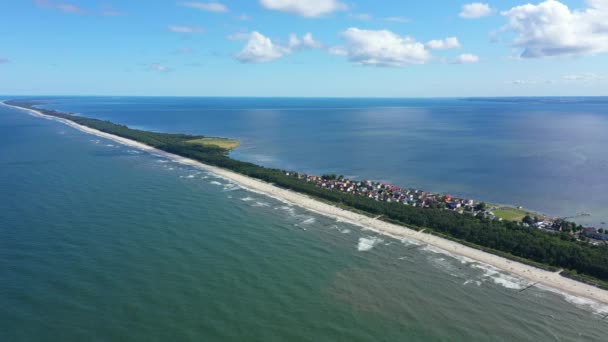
(535, 275)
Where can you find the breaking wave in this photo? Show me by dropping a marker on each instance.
(367, 243)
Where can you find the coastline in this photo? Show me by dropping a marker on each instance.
(533, 274)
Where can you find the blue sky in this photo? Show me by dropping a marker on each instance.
(319, 48)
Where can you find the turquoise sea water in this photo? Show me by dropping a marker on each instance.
(102, 242)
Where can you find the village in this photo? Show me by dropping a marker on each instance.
(381, 191)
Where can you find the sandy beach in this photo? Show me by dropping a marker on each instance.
(530, 273)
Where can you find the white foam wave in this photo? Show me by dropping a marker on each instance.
(367, 243)
(231, 187)
(500, 278)
(247, 199)
(580, 302)
(261, 204)
(309, 220)
(409, 242)
(472, 281)
(215, 183)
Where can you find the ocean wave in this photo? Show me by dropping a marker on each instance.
(231, 187)
(309, 220)
(580, 302)
(367, 243)
(445, 265)
(247, 199)
(290, 210)
(261, 204)
(500, 278)
(215, 183)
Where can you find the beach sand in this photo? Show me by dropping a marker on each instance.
(534, 275)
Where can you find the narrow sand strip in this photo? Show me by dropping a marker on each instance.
(533, 274)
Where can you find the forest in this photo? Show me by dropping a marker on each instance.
(580, 260)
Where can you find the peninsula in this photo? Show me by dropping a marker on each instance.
(558, 260)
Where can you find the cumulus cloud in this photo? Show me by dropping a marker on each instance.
(466, 58)
(261, 49)
(207, 6)
(185, 29)
(307, 42)
(305, 8)
(476, 10)
(443, 44)
(552, 29)
(381, 48)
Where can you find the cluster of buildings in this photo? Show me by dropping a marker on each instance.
(381, 191)
(385, 192)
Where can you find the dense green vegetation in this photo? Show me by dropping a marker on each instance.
(506, 238)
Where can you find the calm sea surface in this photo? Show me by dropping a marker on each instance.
(100, 242)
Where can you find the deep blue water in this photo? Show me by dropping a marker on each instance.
(547, 154)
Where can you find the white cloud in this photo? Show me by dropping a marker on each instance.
(475, 10)
(185, 29)
(305, 8)
(243, 17)
(552, 29)
(583, 77)
(261, 49)
(381, 48)
(443, 44)
(466, 58)
(307, 42)
(207, 6)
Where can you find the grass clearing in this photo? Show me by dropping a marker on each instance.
(513, 214)
(223, 143)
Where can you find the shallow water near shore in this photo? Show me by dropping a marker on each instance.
(100, 241)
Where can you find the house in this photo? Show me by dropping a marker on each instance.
(594, 234)
(454, 205)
